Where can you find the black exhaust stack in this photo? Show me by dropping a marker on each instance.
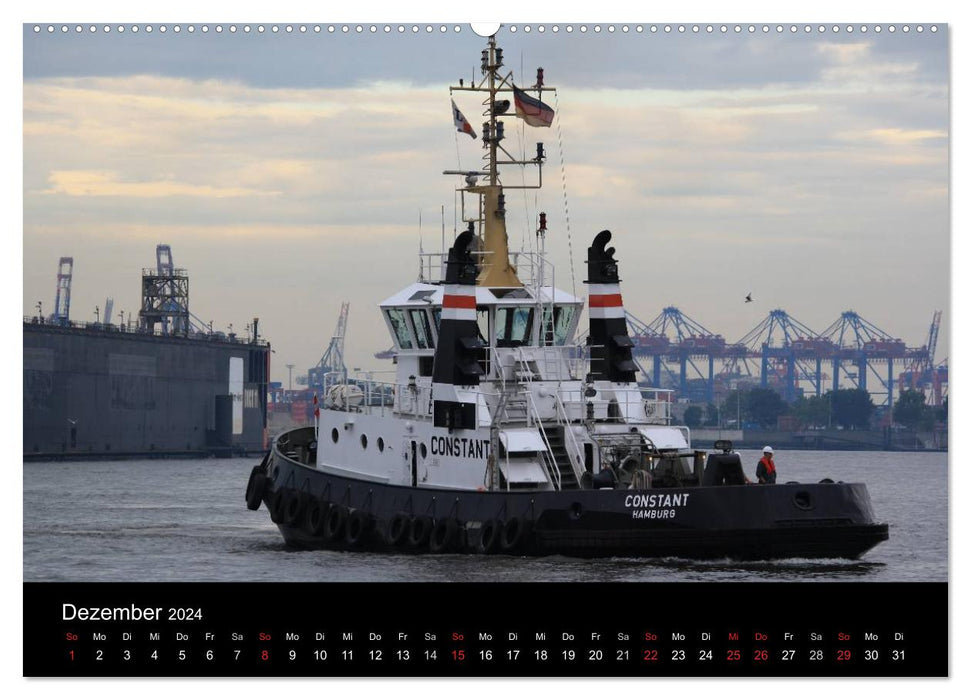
(456, 357)
(610, 345)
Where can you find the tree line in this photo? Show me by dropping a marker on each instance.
(849, 409)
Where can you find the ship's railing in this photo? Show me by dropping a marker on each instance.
(563, 420)
(552, 472)
(655, 404)
(127, 329)
(532, 268)
(658, 404)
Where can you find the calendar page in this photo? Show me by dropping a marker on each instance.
(539, 349)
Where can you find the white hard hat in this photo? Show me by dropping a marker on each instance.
(767, 449)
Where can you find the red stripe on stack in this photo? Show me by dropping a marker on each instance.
(605, 300)
(455, 301)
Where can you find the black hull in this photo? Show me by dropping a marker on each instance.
(316, 510)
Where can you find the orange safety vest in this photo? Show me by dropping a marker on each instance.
(769, 466)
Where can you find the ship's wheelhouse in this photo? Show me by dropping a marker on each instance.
(506, 317)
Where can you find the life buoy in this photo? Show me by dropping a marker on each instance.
(398, 529)
(334, 524)
(293, 507)
(317, 516)
(255, 488)
(358, 527)
(276, 505)
(418, 533)
(488, 536)
(512, 534)
(443, 536)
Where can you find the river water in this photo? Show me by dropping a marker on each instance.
(185, 520)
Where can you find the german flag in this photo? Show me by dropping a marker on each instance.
(531, 110)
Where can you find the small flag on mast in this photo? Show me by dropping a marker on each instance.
(531, 110)
(461, 123)
(316, 407)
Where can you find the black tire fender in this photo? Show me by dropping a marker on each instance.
(398, 529)
(316, 516)
(513, 532)
(293, 507)
(488, 536)
(276, 505)
(418, 533)
(255, 488)
(334, 524)
(358, 527)
(443, 536)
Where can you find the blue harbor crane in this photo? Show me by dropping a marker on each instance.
(673, 338)
(865, 346)
(790, 352)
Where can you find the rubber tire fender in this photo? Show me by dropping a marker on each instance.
(443, 536)
(334, 524)
(398, 529)
(277, 502)
(512, 534)
(293, 507)
(255, 488)
(358, 527)
(488, 536)
(316, 516)
(418, 533)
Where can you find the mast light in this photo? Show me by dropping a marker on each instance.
(485, 60)
(539, 77)
(540, 152)
(500, 132)
(498, 57)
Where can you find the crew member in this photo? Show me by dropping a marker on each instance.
(765, 472)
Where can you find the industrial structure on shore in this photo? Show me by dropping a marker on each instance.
(165, 385)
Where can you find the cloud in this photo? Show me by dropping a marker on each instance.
(85, 183)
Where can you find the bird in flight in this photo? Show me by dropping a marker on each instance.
(748, 297)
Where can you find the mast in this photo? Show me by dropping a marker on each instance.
(490, 212)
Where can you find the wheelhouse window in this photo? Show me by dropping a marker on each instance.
(514, 325)
(400, 327)
(482, 316)
(423, 330)
(557, 331)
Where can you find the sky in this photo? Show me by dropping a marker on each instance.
(293, 171)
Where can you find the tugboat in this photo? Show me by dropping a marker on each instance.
(503, 434)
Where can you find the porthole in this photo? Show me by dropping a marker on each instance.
(803, 500)
(364, 442)
(424, 451)
(380, 444)
(334, 434)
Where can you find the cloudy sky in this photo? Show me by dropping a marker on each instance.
(289, 171)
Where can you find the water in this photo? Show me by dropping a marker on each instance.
(185, 520)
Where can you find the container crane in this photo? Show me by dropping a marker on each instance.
(333, 357)
(862, 343)
(62, 298)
